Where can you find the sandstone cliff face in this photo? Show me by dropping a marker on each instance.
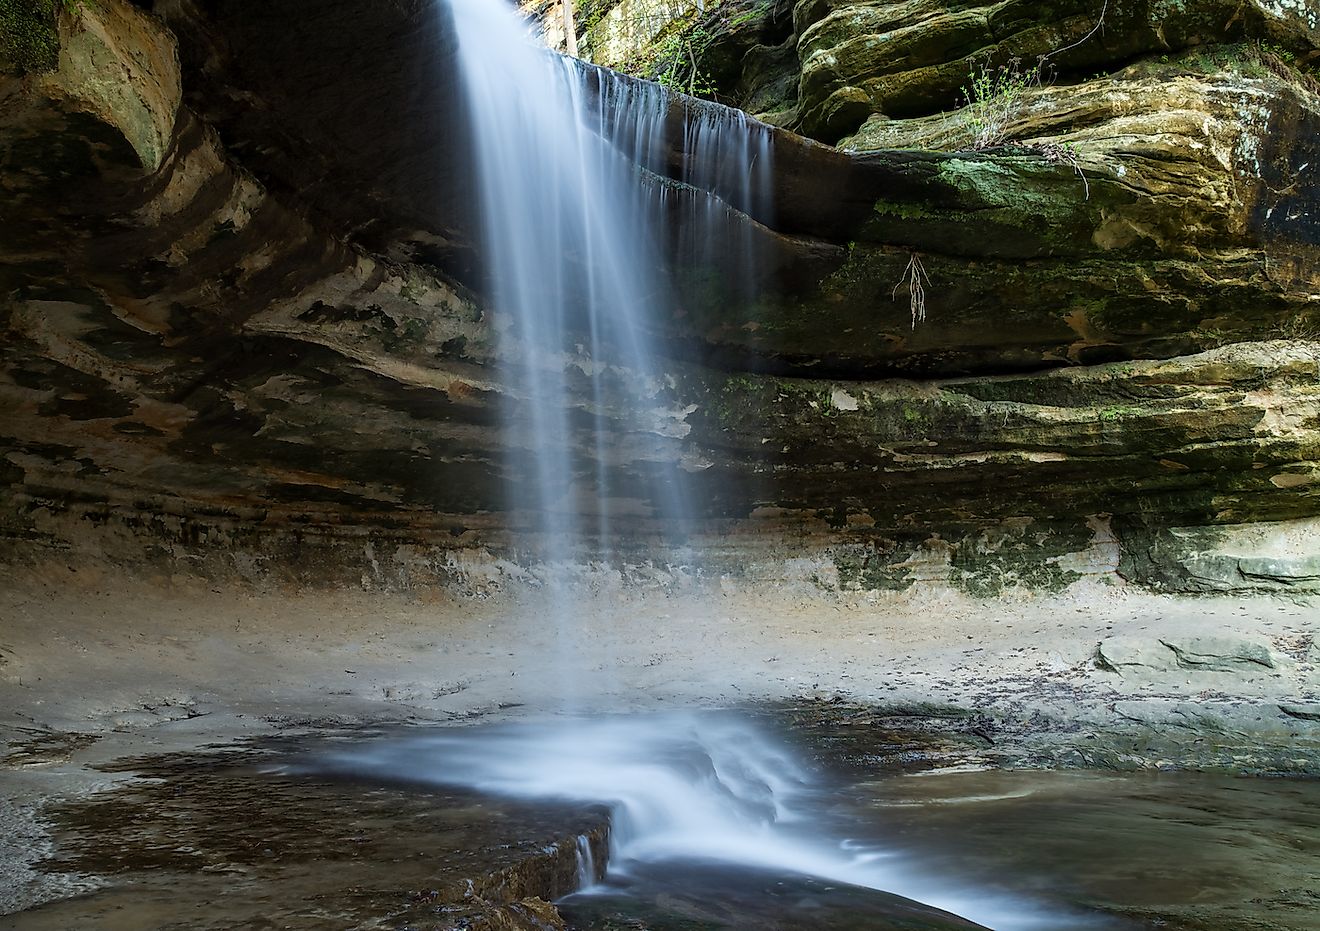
(182, 344)
(242, 313)
(1146, 192)
(912, 59)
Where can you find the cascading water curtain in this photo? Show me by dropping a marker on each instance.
(586, 213)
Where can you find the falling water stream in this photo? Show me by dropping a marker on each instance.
(583, 207)
(580, 211)
(589, 186)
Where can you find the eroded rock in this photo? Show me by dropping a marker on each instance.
(232, 321)
(1220, 654)
(1197, 653)
(1120, 655)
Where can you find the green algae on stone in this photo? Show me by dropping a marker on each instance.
(1032, 557)
(1265, 557)
(884, 566)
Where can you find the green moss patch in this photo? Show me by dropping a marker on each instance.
(29, 34)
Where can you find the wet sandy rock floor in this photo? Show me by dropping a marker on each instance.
(230, 836)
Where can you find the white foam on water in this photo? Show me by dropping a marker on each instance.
(686, 787)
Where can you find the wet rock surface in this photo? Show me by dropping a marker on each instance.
(217, 840)
(229, 835)
(1190, 829)
(712, 898)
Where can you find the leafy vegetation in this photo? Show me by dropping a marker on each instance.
(1284, 63)
(994, 97)
(675, 56)
(590, 13)
(678, 59)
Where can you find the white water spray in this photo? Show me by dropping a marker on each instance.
(585, 860)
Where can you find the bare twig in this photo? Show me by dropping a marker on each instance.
(995, 97)
(1057, 154)
(1099, 25)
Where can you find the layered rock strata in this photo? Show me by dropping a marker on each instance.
(242, 311)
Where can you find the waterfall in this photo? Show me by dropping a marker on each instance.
(590, 189)
(586, 863)
(596, 195)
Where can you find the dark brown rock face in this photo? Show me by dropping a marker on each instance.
(241, 304)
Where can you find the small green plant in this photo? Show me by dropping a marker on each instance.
(29, 40)
(994, 97)
(1278, 51)
(1285, 64)
(677, 62)
(757, 12)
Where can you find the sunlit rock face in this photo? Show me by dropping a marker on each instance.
(912, 59)
(1149, 195)
(243, 311)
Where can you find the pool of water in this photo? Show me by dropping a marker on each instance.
(1176, 850)
(1022, 850)
(715, 821)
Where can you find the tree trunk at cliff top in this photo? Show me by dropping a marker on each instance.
(570, 29)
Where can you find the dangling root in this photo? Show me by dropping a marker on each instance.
(916, 279)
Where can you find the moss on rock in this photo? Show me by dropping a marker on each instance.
(29, 35)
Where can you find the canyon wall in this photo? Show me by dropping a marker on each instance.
(244, 329)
